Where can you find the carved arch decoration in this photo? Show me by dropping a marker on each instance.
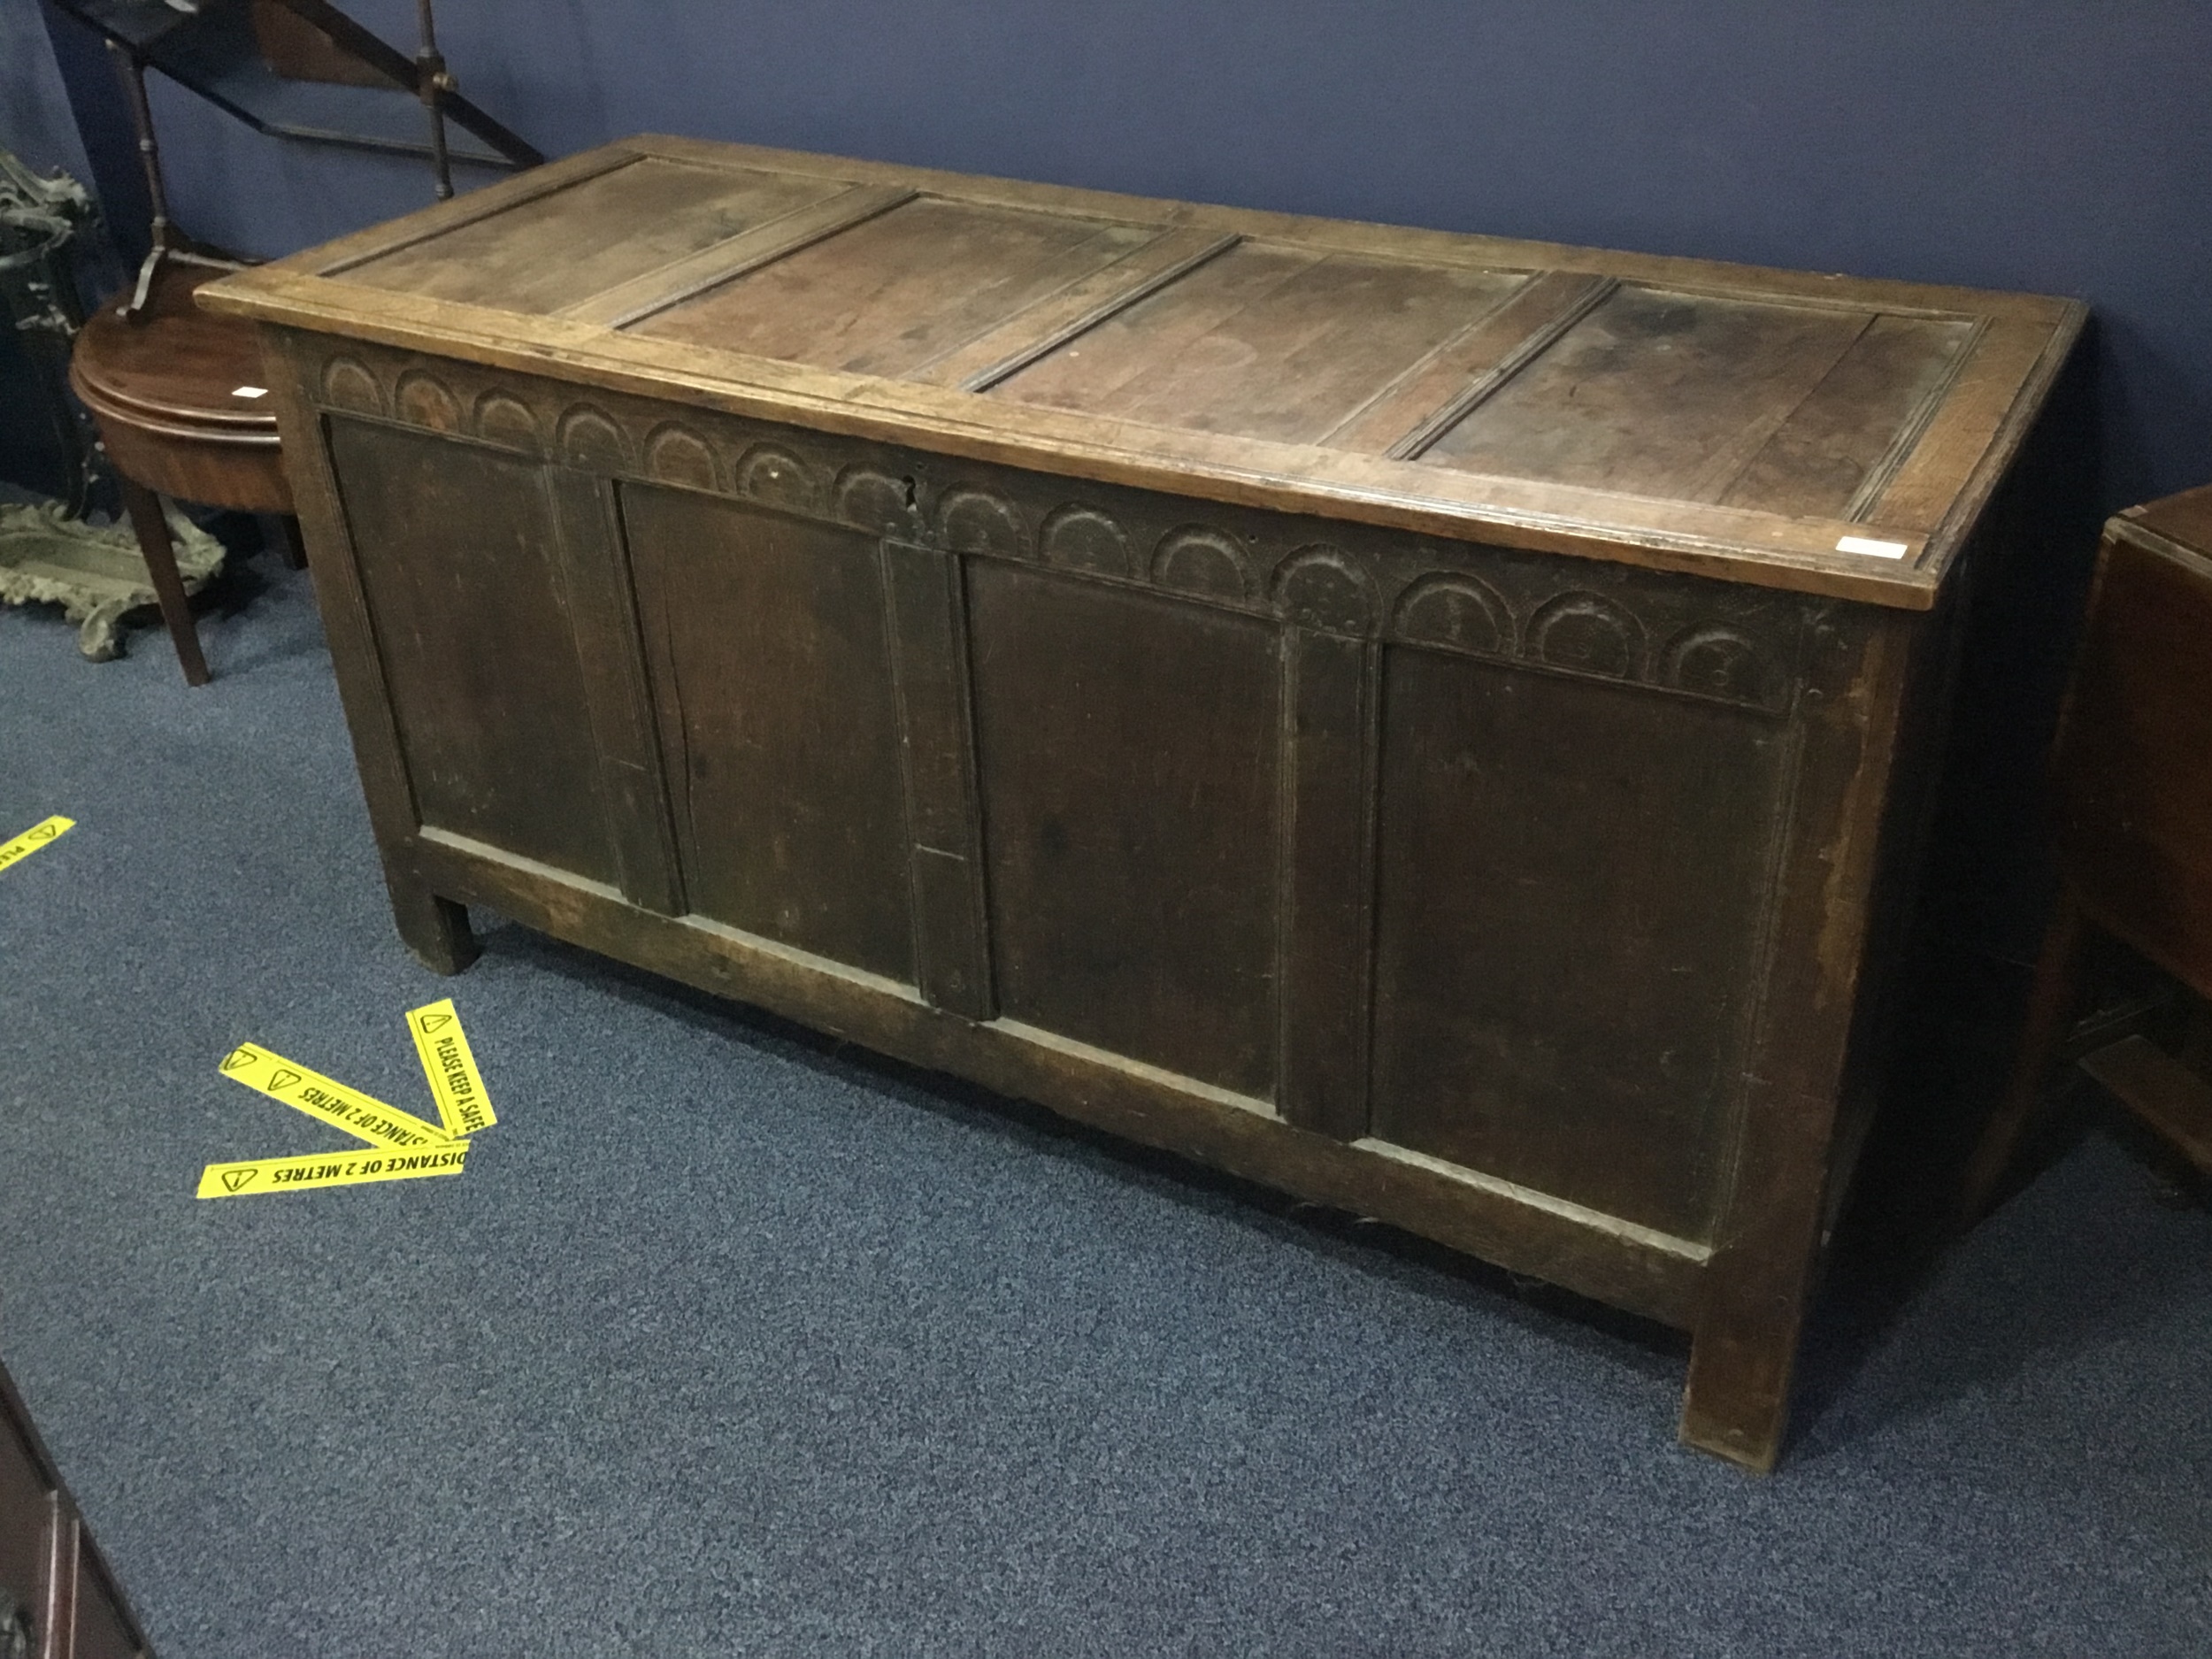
(866, 499)
(348, 385)
(1081, 538)
(1325, 588)
(1710, 660)
(502, 418)
(1587, 634)
(771, 475)
(674, 454)
(1203, 563)
(424, 399)
(975, 521)
(592, 440)
(1459, 613)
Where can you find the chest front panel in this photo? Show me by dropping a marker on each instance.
(1458, 849)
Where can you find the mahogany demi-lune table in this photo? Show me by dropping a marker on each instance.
(1435, 723)
(172, 391)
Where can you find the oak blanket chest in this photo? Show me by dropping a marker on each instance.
(1420, 721)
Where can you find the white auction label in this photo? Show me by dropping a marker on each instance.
(1868, 545)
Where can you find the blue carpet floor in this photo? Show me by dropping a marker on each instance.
(731, 1341)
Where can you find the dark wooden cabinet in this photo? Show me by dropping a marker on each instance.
(2134, 762)
(2132, 792)
(1424, 721)
(57, 1599)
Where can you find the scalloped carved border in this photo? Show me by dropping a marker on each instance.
(1511, 613)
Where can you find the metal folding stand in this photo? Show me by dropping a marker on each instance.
(164, 248)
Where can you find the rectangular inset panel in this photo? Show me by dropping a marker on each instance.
(993, 355)
(1572, 880)
(553, 251)
(1267, 340)
(890, 294)
(772, 683)
(1839, 445)
(1126, 749)
(1653, 392)
(774, 239)
(1402, 420)
(458, 556)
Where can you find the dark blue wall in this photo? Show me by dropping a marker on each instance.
(2044, 145)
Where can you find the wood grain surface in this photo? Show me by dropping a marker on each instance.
(1451, 383)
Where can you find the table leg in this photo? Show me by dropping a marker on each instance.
(160, 553)
(2057, 971)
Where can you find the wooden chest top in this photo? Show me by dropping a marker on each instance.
(1814, 433)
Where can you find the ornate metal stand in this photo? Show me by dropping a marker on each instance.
(48, 552)
(95, 573)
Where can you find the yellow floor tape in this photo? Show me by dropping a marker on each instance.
(403, 1146)
(326, 1169)
(34, 838)
(361, 1115)
(458, 1086)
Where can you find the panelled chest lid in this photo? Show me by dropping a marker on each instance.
(1796, 431)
